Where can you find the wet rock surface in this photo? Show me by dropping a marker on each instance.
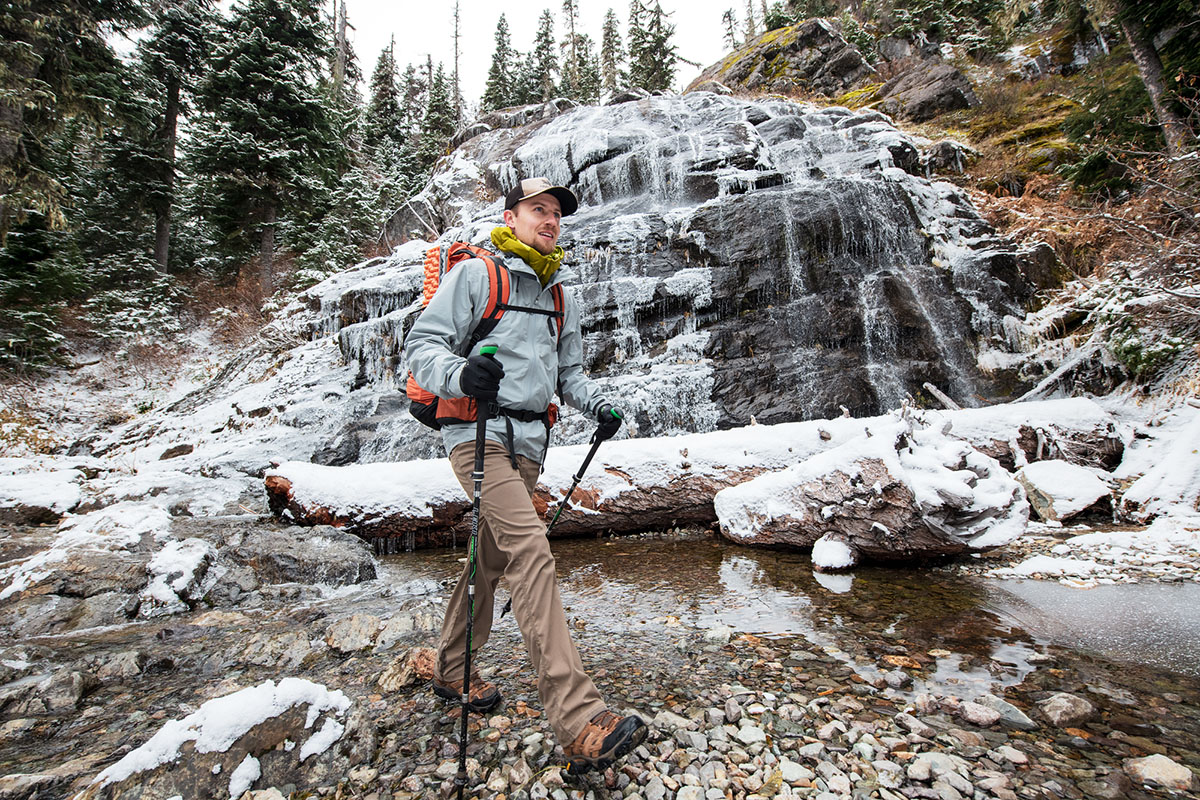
(756, 680)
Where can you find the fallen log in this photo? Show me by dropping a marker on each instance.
(633, 485)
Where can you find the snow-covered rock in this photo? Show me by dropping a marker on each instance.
(224, 748)
(31, 498)
(906, 490)
(1059, 490)
(1166, 467)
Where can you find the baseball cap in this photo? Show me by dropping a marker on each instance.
(532, 187)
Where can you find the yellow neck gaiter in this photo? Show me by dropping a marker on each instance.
(545, 266)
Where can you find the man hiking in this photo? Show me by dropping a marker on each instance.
(538, 350)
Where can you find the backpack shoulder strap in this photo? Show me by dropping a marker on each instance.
(560, 306)
(499, 288)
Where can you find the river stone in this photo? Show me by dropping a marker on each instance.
(1159, 770)
(978, 714)
(915, 725)
(733, 711)
(415, 666)
(793, 772)
(355, 633)
(933, 764)
(1066, 710)
(1012, 755)
(1010, 715)
(750, 734)
(889, 774)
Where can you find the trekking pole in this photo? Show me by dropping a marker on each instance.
(596, 440)
(481, 418)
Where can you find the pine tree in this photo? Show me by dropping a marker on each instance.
(173, 55)
(456, 98)
(413, 99)
(751, 31)
(570, 71)
(57, 64)
(589, 70)
(611, 54)
(437, 125)
(660, 71)
(640, 55)
(729, 23)
(60, 82)
(263, 141)
(528, 88)
(384, 119)
(543, 61)
(501, 90)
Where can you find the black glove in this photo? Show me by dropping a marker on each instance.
(480, 378)
(610, 422)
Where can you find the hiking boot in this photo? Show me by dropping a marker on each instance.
(484, 695)
(602, 741)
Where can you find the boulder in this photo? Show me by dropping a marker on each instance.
(924, 91)
(320, 554)
(294, 732)
(904, 492)
(947, 155)
(808, 57)
(1059, 490)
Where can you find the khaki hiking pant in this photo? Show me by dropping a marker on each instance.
(513, 543)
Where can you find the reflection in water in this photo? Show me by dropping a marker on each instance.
(969, 635)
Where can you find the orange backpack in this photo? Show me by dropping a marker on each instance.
(435, 411)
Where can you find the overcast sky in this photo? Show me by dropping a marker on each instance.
(427, 26)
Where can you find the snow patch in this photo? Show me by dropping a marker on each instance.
(219, 723)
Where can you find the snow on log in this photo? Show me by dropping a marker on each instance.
(909, 490)
(635, 485)
(632, 485)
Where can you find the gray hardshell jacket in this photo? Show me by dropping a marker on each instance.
(534, 365)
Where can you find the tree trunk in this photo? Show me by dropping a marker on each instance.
(1150, 67)
(267, 249)
(162, 211)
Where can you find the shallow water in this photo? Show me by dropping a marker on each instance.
(970, 635)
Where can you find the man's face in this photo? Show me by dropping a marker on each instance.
(535, 222)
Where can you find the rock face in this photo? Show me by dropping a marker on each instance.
(734, 259)
(924, 91)
(811, 57)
